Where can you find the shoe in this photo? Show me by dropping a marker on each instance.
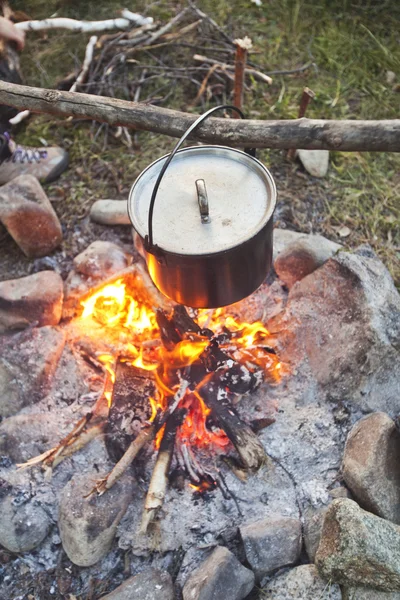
(46, 164)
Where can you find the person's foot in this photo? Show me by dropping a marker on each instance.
(46, 164)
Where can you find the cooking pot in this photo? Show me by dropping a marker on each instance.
(212, 223)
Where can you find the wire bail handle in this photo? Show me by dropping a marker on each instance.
(148, 240)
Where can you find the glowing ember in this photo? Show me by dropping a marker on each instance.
(116, 309)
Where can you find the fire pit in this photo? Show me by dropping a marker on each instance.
(144, 435)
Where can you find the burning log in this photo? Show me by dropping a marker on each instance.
(223, 373)
(144, 436)
(129, 407)
(242, 437)
(159, 479)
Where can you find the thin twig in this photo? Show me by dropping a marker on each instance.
(86, 63)
(167, 27)
(253, 72)
(211, 21)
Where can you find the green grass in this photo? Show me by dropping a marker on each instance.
(352, 45)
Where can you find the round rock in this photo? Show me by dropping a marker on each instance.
(88, 524)
(35, 299)
(220, 576)
(110, 212)
(22, 528)
(302, 257)
(270, 544)
(28, 216)
(359, 549)
(371, 465)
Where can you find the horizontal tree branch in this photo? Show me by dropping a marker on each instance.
(343, 135)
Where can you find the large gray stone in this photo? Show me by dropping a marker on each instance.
(270, 544)
(149, 585)
(28, 216)
(358, 548)
(301, 583)
(28, 361)
(302, 257)
(110, 212)
(22, 527)
(371, 465)
(341, 326)
(88, 525)
(220, 576)
(35, 299)
(314, 520)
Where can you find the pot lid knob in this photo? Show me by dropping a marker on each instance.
(203, 200)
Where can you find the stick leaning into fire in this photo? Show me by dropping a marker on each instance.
(197, 371)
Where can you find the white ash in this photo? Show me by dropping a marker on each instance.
(306, 444)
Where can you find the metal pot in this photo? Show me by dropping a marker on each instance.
(213, 222)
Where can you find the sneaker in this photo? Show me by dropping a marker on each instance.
(46, 164)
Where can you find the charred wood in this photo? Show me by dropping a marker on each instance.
(219, 401)
(129, 409)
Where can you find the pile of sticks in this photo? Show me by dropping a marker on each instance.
(143, 63)
(216, 377)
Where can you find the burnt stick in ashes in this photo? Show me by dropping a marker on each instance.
(159, 478)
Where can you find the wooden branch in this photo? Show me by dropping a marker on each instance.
(21, 116)
(146, 435)
(346, 135)
(242, 46)
(159, 478)
(247, 444)
(167, 27)
(248, 71)
(127, 20)
(86, 63)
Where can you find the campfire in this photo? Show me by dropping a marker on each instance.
(195, 368)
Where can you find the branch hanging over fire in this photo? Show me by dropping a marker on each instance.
(346, 135)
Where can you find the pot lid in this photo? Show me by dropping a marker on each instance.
(240, 192)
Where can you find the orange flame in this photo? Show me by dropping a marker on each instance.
(115, 308)
(112, 306)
